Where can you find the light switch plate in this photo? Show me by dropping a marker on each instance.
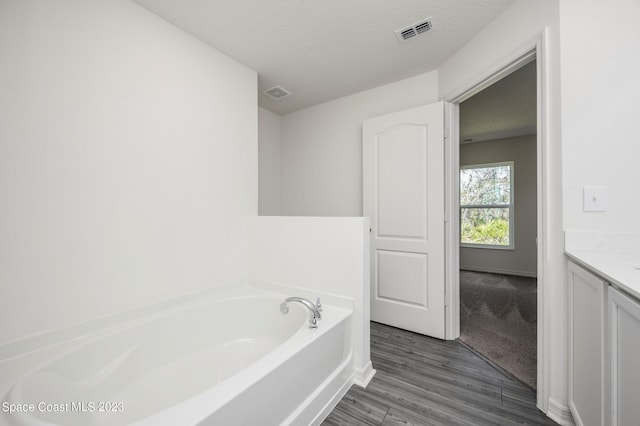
(595, 199)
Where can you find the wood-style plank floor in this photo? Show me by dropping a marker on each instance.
(426, 381)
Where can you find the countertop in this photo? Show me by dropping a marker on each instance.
(621, 269)
(613, 256)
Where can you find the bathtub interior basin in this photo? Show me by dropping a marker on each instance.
(209, 353)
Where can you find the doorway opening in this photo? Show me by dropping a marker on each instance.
(498, 223)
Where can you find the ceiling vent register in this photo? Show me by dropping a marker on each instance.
(414, 30)
(277, 92)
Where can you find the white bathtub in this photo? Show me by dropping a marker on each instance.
(231, 361)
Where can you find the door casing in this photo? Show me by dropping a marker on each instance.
(535, 49)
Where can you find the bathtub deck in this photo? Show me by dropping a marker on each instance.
(425, 381)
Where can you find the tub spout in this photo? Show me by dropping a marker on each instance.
(314, 309)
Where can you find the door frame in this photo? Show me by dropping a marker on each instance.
(534, 49)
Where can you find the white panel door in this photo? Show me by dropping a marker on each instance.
(403, 194)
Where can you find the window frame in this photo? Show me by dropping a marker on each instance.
(510, 206)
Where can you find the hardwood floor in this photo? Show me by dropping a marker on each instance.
(426, 381)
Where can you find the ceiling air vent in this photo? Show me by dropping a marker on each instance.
(277, 93)
(414, 30)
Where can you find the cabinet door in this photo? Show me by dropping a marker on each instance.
(587, 315)
(624, 322)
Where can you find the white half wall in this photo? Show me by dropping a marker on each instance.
(600, 110)
(313, 256)
(128, 162)
(268, 163)
(321, 148)
(504, 39)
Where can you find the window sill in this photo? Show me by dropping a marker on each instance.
(487, 246)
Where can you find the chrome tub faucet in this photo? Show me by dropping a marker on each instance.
(314, 309)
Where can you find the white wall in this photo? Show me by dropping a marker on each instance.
(268, 163)
(313, 256)
(514, 29)
(600, 110)
(128, 162)
(522, 259)
(322, 146)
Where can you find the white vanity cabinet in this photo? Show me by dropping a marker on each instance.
(604, 351)
(624, 342)
(587, 346)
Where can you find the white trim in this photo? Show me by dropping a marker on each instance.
(364, 375)
(536, 49)
(452, 227)
(543, 233)
(522, 56)
(560, 413)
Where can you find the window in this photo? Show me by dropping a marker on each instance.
(486, 205)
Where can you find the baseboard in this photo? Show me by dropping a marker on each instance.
(364, 375)
(498, 271)
(576, 416)
(560, 413)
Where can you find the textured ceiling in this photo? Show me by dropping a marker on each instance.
(325, 49)
(507, 108)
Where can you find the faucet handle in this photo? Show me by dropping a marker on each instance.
(318, 304)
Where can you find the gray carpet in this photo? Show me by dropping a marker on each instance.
(498, 318)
